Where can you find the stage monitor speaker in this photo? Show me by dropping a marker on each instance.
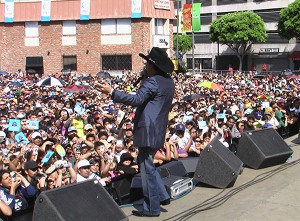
(86, 200)
(262, 148)
(190, 164)
(217, 166)
(172, 168)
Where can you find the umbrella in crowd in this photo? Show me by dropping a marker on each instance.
(193, 96)
(264, 96)
(50, 82)
(293, 76)
(85, 78)
(15, 83)
(210, 85)
(75, 88)
(104, 75)
(3, 72)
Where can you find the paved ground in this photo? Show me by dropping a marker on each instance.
(272, 196)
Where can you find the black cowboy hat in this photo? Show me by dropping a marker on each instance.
(159, 58)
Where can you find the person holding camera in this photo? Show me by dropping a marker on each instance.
(16, 191)
(84, 173)
(78, 121)
(60, 123)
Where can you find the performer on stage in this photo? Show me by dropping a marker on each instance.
(153, 101)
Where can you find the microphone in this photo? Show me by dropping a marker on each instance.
(137, 81)
(141, 77)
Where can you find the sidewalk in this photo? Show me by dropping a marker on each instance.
(273, 196)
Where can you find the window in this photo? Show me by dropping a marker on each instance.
(159, 26)
(34, 65)
(229, 2)
(177, 4)
(269, 16)
(116, 62)
(206, 19)
(206, 63)
(69, 28)
(274, 38)
(202, 38)
(204, 2)
(32, 29)
(116, 26)
(70, 62)
(34, 62)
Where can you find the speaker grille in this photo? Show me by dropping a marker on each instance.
(263, 148)
(81, 201)
(217, 166)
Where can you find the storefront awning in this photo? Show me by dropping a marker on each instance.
(295, 56)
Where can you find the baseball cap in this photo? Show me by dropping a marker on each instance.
(180, 127)
(83, 163)
(72, 129)
(35, 135)
(88, 127)
(31, 165)
(2, 134)
(267, 113)
(21, 115)
(189, 113)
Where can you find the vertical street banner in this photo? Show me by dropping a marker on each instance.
(187, 17)
(136, 9)
(46, 10)
(85, 8)
(196, 22)
(180, 22)
(9, 11)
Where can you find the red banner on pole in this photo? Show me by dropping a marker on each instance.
(187, 17)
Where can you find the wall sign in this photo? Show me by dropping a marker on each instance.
(268, 50)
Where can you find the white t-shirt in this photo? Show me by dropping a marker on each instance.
(182, 141)
(91, 176)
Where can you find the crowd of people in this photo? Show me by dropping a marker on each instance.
(50, 138)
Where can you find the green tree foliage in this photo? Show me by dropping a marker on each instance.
(185, 43)
(289, 21)
(239, 31)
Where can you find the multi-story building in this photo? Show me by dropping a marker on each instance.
(105, 37)
(276, 53)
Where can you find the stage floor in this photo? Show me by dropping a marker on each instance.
(257, 195)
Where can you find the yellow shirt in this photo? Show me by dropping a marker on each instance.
(79, 127)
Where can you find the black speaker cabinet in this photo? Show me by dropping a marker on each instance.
(86, 200)
(173, 168)
(190, 164)
(262, 148)
(217, 166)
